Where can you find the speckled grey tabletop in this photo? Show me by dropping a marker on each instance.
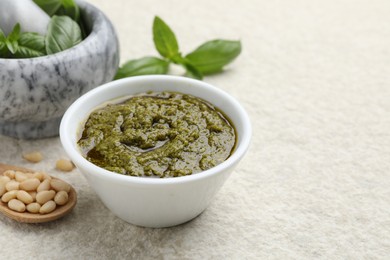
(314, 77)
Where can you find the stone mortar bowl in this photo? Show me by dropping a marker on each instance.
(35, 92)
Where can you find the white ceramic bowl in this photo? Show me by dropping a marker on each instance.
(154, 202)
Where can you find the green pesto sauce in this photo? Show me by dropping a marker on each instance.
(158, 134)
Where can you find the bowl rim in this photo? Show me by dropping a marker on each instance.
(92, 35)
(94, 170)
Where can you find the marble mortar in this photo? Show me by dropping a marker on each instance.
(35, 92)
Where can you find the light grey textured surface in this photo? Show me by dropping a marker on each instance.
(314, 77)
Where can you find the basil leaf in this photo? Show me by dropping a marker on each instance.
(15, 34)
(3, 45)
(63, 33)
(69, 8)
(3, 50)
(12, 39)
(12, 46)
(30, 45)
(60, 7)
(212, 56)
(164, 39)
(178, 59)
(192, 71)
(49, 6)
(2, 36)
(142, 66)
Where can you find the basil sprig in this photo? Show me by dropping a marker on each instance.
(209, 58)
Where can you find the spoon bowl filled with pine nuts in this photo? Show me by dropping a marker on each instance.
(34, 197)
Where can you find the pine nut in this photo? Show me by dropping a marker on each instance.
(45, 196)
(9, 173)
(46, 176)
(2, 189)
(4, 179)
(59, 185)
(30, 184)
(33, 207)
(45, 185)
(24, 197)
(33, 157)
(48, 207)
(33, 194)
(29, 175)
(64, 165)
(12, 185)
(39, 175)
(9, 196)
(20, 176)
(61, 198)
(17, 205)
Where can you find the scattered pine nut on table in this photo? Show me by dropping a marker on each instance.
(33, 157)
(64, 165)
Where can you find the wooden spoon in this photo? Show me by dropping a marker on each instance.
(27, 217)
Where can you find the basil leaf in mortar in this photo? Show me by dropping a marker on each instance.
(12, 39)
(3, 50)
(2, 37)
(49, 6)
(60, 7)
(164, 39)
(69, 8)
(142, 66)
(30, 45)
(3, 45)
(63, 33)
(213, 55)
